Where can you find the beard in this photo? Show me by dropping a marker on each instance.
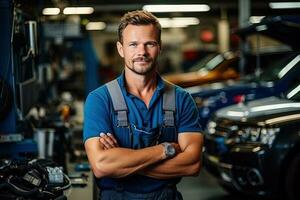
(142, 68)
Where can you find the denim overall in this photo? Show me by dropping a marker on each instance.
(136, 138)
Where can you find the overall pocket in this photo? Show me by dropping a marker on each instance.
(142, 138)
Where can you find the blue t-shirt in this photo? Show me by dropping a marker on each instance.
(99, 116)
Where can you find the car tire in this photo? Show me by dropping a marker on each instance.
(292, 181)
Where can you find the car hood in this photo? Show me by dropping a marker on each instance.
(185, 77)
(262, 110)
(238, 86)
(197, 78)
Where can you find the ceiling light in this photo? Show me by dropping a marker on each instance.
(51, 11)
(78, 10)
(177, 8)
(289, 66)
(255, 19)
(93, 26)
(186, 20)
(284, 5)
(293, 92)
(178, 22)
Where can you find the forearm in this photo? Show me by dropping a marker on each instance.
(179, 166)
(121, 162)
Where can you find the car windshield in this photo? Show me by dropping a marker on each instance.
(208, 63)
(279, 69)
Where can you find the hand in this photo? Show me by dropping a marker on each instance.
(108, 141)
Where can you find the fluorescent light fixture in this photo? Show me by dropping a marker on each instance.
(289, 66)
(284, 5)
(51, 11)
(78, 10)
(178, 22)
(293, 92)
(186, 20)
(95, 26)
(255, 19)
(177, 8)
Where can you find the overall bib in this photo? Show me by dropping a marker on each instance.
(134, 137)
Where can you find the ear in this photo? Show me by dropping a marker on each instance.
(120, 49)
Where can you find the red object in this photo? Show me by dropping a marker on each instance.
(239, 98)
(191, 55)
(207, 36)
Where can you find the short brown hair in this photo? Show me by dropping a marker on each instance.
(138, 17)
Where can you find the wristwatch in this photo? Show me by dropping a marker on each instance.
(170, 150)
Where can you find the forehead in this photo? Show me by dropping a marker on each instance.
(140, 32)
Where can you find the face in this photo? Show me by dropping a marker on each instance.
(140, 48)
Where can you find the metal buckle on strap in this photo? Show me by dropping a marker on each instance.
(122, 118)
(169, 118)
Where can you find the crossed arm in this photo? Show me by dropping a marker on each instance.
(108, 159)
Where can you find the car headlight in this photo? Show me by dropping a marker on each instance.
(257, 134)
(267, 135)
(211, 127)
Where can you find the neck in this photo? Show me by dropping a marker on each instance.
(142, 86)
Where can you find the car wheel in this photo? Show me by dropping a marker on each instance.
(292, 181)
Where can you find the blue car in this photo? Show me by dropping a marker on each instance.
(274, 80)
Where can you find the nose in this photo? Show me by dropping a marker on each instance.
(142, 50)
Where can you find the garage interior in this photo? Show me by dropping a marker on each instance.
(238, 59)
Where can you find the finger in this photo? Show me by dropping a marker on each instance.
(100, 140)
(103, 140)
(113, 139)
(102, 134)
(109, 140)
(105, 143)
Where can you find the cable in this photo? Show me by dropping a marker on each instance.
(17, 182)
(19, 190)
(64, 187)
(68, 185)
(47, 192)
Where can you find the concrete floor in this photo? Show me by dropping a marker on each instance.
(203, 187)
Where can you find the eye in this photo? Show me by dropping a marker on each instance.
(133, 44)
(151, 44)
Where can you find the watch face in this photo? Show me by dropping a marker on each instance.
(171, 150)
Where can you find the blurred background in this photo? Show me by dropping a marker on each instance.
(224, 53)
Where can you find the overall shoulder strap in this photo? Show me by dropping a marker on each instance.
(169, 106)
(118, 101)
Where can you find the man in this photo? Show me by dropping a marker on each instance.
(140, 137)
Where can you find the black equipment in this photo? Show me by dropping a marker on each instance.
(32, 180)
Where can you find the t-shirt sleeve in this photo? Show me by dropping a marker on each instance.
(96, 115)
(187, 115)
